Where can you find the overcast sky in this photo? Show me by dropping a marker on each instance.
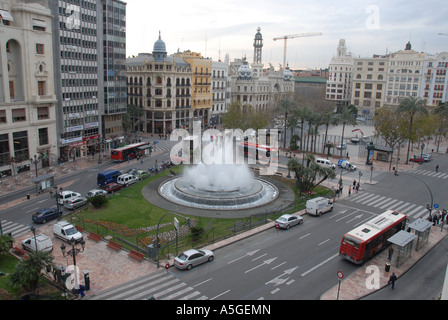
(215, 28)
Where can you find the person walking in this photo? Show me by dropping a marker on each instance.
(392, 280)
(349, 190)
(437, 168)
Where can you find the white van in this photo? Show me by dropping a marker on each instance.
(126, 179)
(66, 195)
(318, 205)
(43, 243)
(325, 163)
(66, 231)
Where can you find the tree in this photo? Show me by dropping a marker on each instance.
(346, 115)
(442, 112)
(302, 113)
(412, 106)
(328, 119)
(5, 243)
(27, 271)
(285, 107)
(391, 126)
(243, 117)
(308, 173)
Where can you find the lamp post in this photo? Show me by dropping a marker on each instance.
(73, 252)
(35, 161)
(34, 232)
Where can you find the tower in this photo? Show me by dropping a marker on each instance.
(258, 45)
(342, 50)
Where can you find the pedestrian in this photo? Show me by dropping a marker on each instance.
(437, 217)
(354, 184)
(392, 280)
(443, 215)
(141, 160)
(349, 190)
(437, 168)
(391, 252)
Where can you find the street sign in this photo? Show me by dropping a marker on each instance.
(340, 275)
(436, 205)
(176, 224)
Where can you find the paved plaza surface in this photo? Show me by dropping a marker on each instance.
(109, 268)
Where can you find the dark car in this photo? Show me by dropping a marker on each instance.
(43, 215)
(112, 187)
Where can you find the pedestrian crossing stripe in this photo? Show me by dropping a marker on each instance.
(442, 175)
(382, 202)
(160, 285)
(15, 229)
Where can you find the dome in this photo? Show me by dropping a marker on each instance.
(244, 72)
(287, 74)
(159, 46)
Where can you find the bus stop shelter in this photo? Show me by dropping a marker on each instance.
(43, 182)
(403, 243)
(421, 228)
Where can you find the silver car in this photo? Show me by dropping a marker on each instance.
(288, 220)
(191, 258)
(75, 203)
(96, 192)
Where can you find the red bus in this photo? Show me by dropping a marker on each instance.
(257, 151)
(127, 152)
(365, 241)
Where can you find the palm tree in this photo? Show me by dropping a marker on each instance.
(302, 113)
(346, 115)
(328, 119)
(285, 106)
(442, 111)
(412, 106)
(27, 271)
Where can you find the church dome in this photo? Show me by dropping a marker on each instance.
(287, 74)
(244, 72)
(159, 46)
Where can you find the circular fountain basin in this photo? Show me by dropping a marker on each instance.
(182, 191)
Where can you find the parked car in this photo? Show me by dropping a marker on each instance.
(40, 242)
(193, 257)
(66, 195)
(66, 231)
(75, 203)
(427, 157)
(141, 174)
(113, 187)
(126, 180)
(341, 146)
(43, 215)
(417, 159)
(288, 220)
(344, 164)
(95, 192)
(325, 163)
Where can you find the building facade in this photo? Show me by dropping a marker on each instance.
(162, 86)
(220, 85)
(256, 86)
(369, 83)
(340, 76)
(434, 89)
(27, 97)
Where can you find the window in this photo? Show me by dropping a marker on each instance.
(40, 48)
(18, 115)
(2, 116)
(20, 146)
(11, 90)
(42, 113)
(43, 136)
(5, 156)
(41, 88)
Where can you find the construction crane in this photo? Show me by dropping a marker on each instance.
(291, 36)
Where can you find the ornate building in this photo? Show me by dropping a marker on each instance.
(162, 86)
(340, 76)
(27, 97)
(258, 87)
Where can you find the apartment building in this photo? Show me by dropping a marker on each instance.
(162, 86)
(339, 82)
(369, 83)
(435, 82)
(27, 97)
(220, 86)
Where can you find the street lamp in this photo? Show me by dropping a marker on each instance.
(35, 161)
(34, 232)
(73, 252)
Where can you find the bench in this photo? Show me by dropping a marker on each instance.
(20, 252)
(80, 229)
(114, 245)
(136, 255)
(94, 236)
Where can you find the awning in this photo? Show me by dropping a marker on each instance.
(401, 238)
(6, 15)
(420, 225)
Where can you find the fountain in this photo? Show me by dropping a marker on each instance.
(219, 186)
